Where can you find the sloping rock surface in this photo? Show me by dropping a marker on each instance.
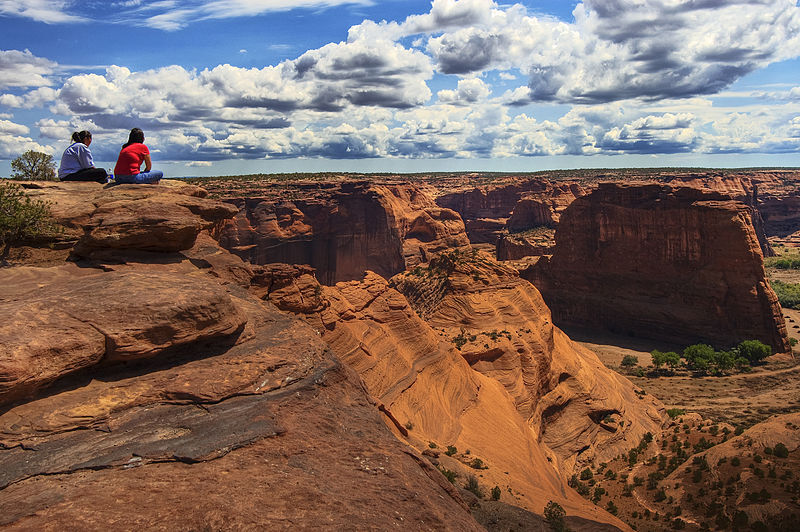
(676, 264)
(132, 387)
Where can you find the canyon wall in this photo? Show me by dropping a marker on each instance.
(489, 210)
(142, 387)
(344, 231)
(676, 264)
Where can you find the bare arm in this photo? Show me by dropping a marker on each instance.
(147, 164)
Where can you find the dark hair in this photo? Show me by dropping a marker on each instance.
(137, 135)
(80, 136)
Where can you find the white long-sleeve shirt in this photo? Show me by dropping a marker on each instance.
(76, 157)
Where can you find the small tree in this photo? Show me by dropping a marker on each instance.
(554, 514)
(629, 361)
(34, 165)
(21, 217)
(753, 350)
(658, 358)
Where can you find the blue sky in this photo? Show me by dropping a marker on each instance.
(242, 86)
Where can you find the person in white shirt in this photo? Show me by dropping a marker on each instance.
(77, 163)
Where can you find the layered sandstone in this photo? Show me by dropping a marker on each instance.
(133, 384)
(517, 206)
(431, 395)
(677, 264)
(344, 231)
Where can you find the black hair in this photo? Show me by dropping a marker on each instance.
(136, 136)
(80, 136)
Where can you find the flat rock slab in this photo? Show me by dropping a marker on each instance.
(185, 433)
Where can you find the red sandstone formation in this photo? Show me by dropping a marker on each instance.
(533, 243)
(677, 264)
(544, 397)
(130, 386)
(488, 210)
(345, 231)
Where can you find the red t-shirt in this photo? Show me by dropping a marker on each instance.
(130, 159)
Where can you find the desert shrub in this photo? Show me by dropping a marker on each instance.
(675, 412)
(34, 165)
(473, 486)
(611, 508)
(477, 463)
(629, 361)
(432, 445)
(735, 461)
(21, 217)
(451, 450)
(788, 294)
(448, 474)
(586, 474)
(496, 493)
(554, 514)
(780, 450)
(753, 350)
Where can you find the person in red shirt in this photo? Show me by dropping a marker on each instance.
(130, 160)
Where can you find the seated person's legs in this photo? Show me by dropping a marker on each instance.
(153, 176)
(87, 174)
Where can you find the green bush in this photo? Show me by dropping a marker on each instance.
(477, 463)
(753, 350)
(780, 451)
(21, 218)
(554, 514)
(629, 361)
(675, 412)
(699, 356)
(451, 450)
(788, 294)
(496, 493)
(473, 486)
(448, 474)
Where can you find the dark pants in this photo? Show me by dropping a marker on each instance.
(87, 174)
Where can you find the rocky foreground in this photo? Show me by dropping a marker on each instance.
(157, 380)
(148, 370)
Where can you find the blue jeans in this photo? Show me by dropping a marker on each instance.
(153, 176)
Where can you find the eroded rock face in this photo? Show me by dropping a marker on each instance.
(345, 231)
(501, 326)
(166, 378)
(676, 264)
(516, 206)
(163, 218)
(552, 405)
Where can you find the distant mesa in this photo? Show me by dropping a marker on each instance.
(670, 263)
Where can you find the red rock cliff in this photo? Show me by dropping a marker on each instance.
(677, 264)
(343, 232)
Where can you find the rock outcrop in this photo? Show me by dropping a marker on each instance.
(675, 264)
(516, 206)
(129, 386)
(552, 404)
(534, 243)
(345, 231)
